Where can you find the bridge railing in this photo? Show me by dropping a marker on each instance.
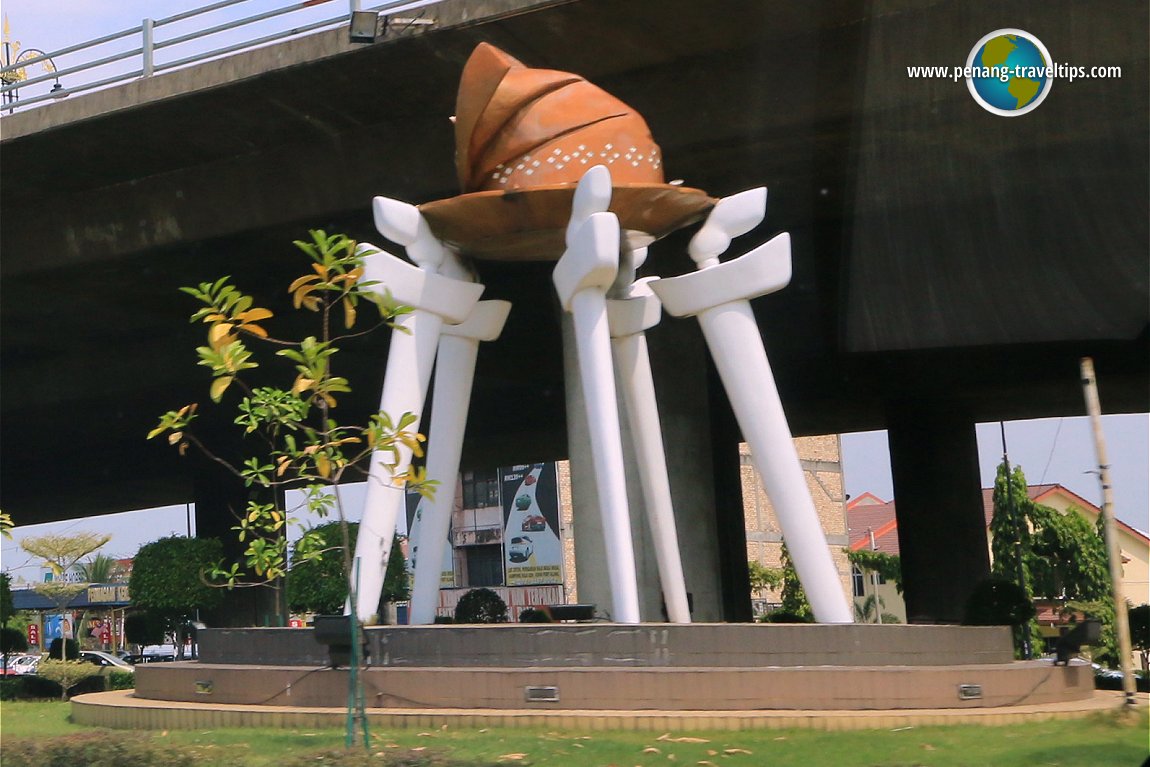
(160, 45)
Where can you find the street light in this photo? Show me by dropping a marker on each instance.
(13, 73)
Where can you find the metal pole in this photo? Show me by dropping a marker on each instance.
(1019, 522)
(874, 579)
(1113, 551)
(148, 47)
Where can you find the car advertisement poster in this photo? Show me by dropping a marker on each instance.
(417, 506)
(532, 550)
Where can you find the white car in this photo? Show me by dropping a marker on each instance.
(23, 664)
(106, 661)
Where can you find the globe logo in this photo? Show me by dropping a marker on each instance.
(1009, 72)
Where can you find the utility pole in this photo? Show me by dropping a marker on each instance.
(1113, 551)
(1019, 523)
(874, 579)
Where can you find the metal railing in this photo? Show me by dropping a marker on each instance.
(104, 67)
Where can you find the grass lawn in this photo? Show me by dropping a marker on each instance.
(1112, 740)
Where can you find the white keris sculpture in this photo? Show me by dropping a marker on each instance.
(553, 167)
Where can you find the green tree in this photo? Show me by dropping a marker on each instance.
(1063, 557)
(7, 609)
(303, 446)
(762, 577)
(868, 611)
(320, 585)
(168, 579)
(11, 640)
(300, 444)
(1010, 536)
(794, 598)
(60, 554)
(98, 569)
(1140, 632)
(889, 566)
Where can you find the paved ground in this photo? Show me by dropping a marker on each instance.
(119, 709)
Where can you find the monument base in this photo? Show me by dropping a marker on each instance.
(612, 667)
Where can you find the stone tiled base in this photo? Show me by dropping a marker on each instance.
(574, 645)
(631, 688)
(121, 710)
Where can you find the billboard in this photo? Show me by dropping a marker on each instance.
(416, 506)
(532, 551)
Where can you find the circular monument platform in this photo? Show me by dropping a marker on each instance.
(613, 667)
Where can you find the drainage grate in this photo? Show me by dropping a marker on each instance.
(541, 694)
(969, 691)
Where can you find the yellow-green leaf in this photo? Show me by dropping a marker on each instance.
(301, 281)
(221, 335)
(219, 386)
(348, 313)
(254, 315)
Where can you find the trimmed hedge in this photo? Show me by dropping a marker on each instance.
(121, 680)
(480, 606)
(32, 687)
(94, 749)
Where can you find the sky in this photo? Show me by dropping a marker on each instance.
(1049, 451)
(1058, 450)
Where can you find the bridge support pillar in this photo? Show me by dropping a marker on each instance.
(941, 525)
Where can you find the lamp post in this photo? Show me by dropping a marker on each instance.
(13, 73)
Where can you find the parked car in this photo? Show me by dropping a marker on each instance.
(10, 663)
(106, 661)
(23, 664)
(155, 653)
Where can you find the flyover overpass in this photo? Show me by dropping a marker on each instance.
(950, 266)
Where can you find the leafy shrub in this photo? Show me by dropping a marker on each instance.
(94, 749)
(783, 616)
(121, 680)
(33, 687)
(443, 619)
(481, 606)
(68, 673)
(12, 640)
(9, 689)
(534, 615)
